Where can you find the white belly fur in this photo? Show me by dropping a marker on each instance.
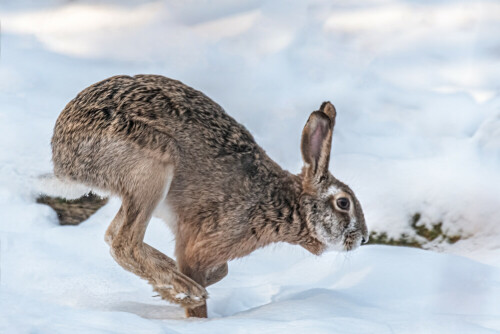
(164, 210)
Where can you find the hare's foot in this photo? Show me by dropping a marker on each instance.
(183, 291)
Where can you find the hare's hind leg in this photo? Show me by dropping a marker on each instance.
(145, 189)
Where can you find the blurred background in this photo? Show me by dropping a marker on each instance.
(415, 84)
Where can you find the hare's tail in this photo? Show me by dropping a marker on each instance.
(51, 185)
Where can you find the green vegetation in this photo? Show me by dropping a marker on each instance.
(423, 235)
(383, 239)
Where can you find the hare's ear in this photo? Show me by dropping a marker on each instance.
(317, 141)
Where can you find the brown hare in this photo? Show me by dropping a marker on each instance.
(168, 150)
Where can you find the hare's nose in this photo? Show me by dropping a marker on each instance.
(364, 239)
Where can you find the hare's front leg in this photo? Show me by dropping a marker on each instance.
(126, 235)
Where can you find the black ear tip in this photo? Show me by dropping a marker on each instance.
(328, 108)
(326, 105)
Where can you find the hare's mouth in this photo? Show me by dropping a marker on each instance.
(351, 241)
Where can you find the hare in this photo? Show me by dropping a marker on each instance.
(168, 150)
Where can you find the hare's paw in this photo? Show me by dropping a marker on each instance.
(183, 291)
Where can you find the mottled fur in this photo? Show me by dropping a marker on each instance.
(147, 137)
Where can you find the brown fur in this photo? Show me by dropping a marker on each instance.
(144, 136)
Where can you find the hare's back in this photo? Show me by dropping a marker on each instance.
(151, 113)
(121, 104)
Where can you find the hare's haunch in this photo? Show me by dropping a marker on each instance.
(168, 150)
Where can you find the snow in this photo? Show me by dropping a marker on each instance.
(60, 279)
(67, 282)
(416, 87)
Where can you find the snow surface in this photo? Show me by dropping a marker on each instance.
(416, 87)
(61, 279)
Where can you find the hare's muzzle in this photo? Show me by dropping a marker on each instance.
(354, 239)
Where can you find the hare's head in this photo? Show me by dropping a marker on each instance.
(329, 207)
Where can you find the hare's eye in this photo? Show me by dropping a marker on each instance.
(343, 203)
